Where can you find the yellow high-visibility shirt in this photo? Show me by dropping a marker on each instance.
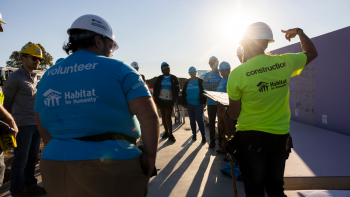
(2, 97)
(262, 84)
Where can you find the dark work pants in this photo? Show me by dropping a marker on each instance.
(262, 161)
(24, 159)
(212, 111)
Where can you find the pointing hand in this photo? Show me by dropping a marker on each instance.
(290, 33)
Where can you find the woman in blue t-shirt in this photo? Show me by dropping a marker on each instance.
(89, 126)
(166, 90)
(195, 102)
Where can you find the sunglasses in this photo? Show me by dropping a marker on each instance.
(165, 67)
(112, 45)
(34, 58)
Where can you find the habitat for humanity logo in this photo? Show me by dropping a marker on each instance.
(80, 96)
(278, 84)
(74, 97)
(52, 97)
(263, 86)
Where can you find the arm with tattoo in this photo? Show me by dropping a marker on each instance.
(307, 45)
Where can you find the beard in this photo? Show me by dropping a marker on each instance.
(106, 52)
(34, 66)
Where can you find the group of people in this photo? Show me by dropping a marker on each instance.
(18, 112)
(193, 99)
(90, 127)
(166, 90)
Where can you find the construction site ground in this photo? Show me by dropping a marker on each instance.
(188, 168)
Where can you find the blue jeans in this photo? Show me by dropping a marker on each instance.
(195, 113)
(262, 161)
(24, 159)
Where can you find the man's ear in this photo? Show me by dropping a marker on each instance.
(23, 59)
(98, 43)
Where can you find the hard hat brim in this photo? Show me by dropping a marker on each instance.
(32, 55)
(2, 21)
(270, 41)
(114, 42)
(38, 56)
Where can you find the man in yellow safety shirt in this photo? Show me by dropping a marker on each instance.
(259, 98)
(2, 79)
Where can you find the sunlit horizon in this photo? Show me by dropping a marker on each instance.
(182, 33)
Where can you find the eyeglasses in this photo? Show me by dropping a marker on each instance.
(112, 45)
(165, 67)
(34, 58)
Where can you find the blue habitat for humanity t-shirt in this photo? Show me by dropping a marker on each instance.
(84, 95)
(212, 78)
(223, 85)
(193, 92)
(166, 84)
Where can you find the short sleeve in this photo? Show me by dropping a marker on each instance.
(233, 90)
(297, 62)
(133, 85)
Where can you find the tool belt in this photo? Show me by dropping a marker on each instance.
(107, 136)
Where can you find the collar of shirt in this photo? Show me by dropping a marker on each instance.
(26, 73)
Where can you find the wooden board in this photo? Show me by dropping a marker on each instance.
(218, 97)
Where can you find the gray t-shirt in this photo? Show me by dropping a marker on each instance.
(20, 92)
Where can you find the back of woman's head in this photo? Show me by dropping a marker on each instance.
(80, 39)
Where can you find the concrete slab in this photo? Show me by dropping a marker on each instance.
(325, 193)
(192, 169)
(320, 159)
(5, 189)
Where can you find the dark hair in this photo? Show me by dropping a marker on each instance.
(80, 39)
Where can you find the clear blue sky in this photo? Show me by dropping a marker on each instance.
(183, 33)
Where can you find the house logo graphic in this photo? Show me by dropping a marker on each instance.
(52, 98)
(263, 86)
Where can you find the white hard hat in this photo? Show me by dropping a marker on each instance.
(239, 50)
(213, 58)
(95, 24)
(224, 65)
(1, 20)
(135, 65)
(259, 31)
